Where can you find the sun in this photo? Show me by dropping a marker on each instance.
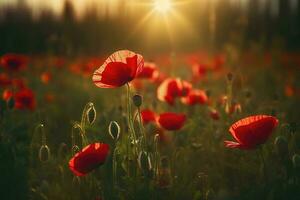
(162, 6)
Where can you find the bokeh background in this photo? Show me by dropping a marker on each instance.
(91, 27)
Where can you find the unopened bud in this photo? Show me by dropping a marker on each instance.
(144, 161)
(91, 114)
(229, 76)
(137, 100)
(114, 130)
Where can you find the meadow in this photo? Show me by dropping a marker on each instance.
(157, 133)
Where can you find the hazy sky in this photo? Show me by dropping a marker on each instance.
(111, 6)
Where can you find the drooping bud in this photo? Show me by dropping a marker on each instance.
(91, 114)
(296, 160)
(114, 130)
(137, 100)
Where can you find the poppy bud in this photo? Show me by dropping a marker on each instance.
(296, 160)
(11, 103)
(144, 162)
(281, 145)
(114, 130)
(137, 100)
(44, 153)
(91, 114)
(229, 76)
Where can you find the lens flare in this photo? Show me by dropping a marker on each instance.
(162, 6)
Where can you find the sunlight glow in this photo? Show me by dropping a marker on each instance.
(162, 6)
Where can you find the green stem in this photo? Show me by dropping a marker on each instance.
(264, 164)
(142, 128)
(129, 120)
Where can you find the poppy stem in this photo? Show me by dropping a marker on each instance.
(142, 127)
(264, 164)
(130, 122)
(115, 166)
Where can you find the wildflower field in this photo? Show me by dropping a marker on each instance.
(218, 122)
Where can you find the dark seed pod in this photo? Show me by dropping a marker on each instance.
(296, 160)
(229, 76)
(114, 130)
(137, 100)
(91, 114)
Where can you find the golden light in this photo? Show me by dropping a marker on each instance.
(162, 6)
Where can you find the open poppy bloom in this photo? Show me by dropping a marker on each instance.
(251, 131)
(148, 116)
(172, 88)
(171, 121)
(14, 62)
(7, 94)
(195, 97)
(149, 71)
(25, 99)
(89, 158)
(120, 68)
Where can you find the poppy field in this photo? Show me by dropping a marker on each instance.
(209, 123)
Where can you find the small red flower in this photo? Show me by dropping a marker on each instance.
(120, 68)
(46, 77)
(14, 62)
(251, 131)
(172, 88)
(7, 94)
(214, 114)
(5, 80)
(25, 99)
(148, 116)
(171, 121)
(195, 97)
(91, 157)
(149, 71)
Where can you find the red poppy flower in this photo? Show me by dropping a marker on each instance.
(214, 114)
(5, 80)
(251, 131)
(149, 71)
(199, 71)
(46, 77)
(91, 157)
(25, 99)
(195, 97)
(14, 62)
(171, 121)
(7, 94)
(120, 68)
(148, 116)
(172, 88)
